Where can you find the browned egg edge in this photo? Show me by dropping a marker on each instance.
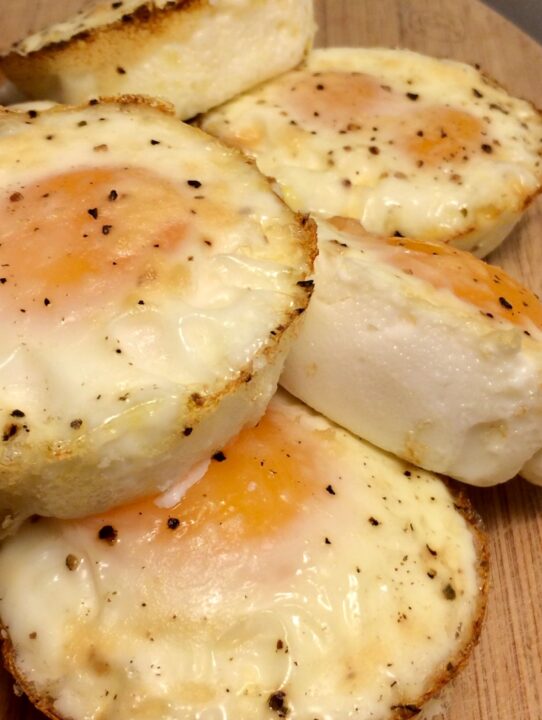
(145, 18)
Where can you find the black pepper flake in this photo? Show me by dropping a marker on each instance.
(82, 123)
(116, 5)
(374, 522)
(3, 280)
(277, 703)
(108, 533)
(448, 592)
(374, 150)
(346, 182)
(94, 101)
(330, 490)
(412, 96)
(121, 70)
(173, 523)
(305, 283)
(16, 197)
(32, 114)
(504, 302)
(433, 552)
(477, 93)
(187, 431)
(320, 86)
(9, 432)
(197, 399)
(141, 302)
(398, 234)
(487, 148)
(76, 424)
(194, 183)
(93, 212)
(106, 229)
(327, 541)
(407, 473)
(46, 302)
(113, 195)
(71, 562)
(155, 142)
(411, 709)
(219, 456)
(17, 413)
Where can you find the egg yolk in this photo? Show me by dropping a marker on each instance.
(351, 102)
(441, 134)
(77, 239)
(484, 286)
(335, 99)
(252, 490)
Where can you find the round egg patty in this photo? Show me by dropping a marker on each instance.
(194, 53)
(424, 350)
(149, 280)
(306, 575)
(406, 144)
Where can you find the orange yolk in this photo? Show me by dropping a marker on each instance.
(484, 286)
(348, 102)
(252, 490)
(80, 238)
(335, 99)
(441, 134)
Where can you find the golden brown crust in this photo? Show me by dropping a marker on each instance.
(43, 704)
(146, 18)
(103, 46)
(410, 707)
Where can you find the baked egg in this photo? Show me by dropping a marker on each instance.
(149, 279)
(424, 350)
(305, 575)
(194, 54)
(403, 143)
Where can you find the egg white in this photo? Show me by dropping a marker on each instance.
(362, 601)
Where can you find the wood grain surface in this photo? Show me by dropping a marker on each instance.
(504, 678)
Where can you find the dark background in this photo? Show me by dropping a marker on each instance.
(525, 13)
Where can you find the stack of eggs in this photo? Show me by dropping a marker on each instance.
(198, 545)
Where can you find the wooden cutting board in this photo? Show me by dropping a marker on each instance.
(504, 678)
